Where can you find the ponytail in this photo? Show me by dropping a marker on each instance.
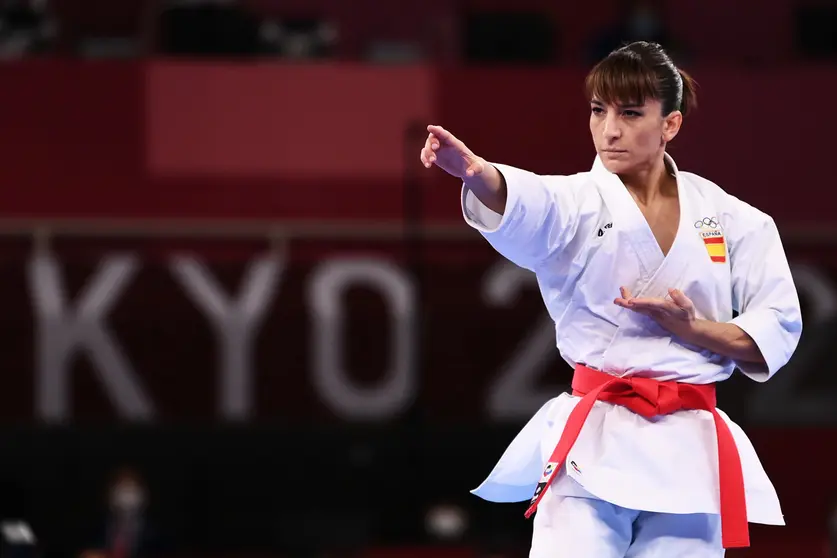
(688, 100)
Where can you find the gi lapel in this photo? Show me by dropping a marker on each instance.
(632, 225)
(628, 221)
(676, 264)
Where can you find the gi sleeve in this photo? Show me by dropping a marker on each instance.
(764, 294)
(540, 217)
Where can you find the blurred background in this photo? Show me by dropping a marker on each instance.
(239, 319)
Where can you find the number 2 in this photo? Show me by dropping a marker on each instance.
(514, 395)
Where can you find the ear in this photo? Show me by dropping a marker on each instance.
(671, 125)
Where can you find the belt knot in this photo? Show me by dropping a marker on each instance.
(663, 397)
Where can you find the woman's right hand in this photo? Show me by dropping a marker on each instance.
(447, 152)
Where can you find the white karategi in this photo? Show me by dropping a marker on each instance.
(653, 482)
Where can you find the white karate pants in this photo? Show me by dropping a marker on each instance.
(572, 527)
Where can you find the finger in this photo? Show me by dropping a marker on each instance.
(622, 302)
(626, 304)
(679, 298)
(432, 142)
(475, 169)
(650, 303)
(439, 132)
(424, 158)
(625, 292)
(654, 304)
(446, 138)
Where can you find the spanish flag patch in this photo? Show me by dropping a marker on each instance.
(713, 238)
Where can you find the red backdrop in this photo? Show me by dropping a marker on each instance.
(193, 140)
(152, 140)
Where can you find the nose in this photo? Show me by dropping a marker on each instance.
(612, 127)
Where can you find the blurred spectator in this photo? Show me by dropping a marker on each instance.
(17, 536)
(446, 523)
(26, 28)
(299, 38)
(207, 28)
(127, 531)
(639, 20)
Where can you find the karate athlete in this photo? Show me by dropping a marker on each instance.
(640, 266)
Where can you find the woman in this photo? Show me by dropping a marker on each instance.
(641, 266)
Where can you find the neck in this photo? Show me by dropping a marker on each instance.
(648, 182)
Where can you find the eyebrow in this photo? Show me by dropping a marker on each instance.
(628, 106)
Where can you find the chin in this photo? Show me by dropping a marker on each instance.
(616, 166)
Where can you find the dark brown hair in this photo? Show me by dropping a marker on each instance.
(640, 71)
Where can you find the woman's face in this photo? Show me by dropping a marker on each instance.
(630, 137)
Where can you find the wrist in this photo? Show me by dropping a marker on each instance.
(489, 186)
(725, 339)
(698, 331)
(488, 176)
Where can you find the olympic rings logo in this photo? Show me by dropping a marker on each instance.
(711, 222)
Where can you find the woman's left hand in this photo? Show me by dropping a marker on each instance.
(676, 312)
